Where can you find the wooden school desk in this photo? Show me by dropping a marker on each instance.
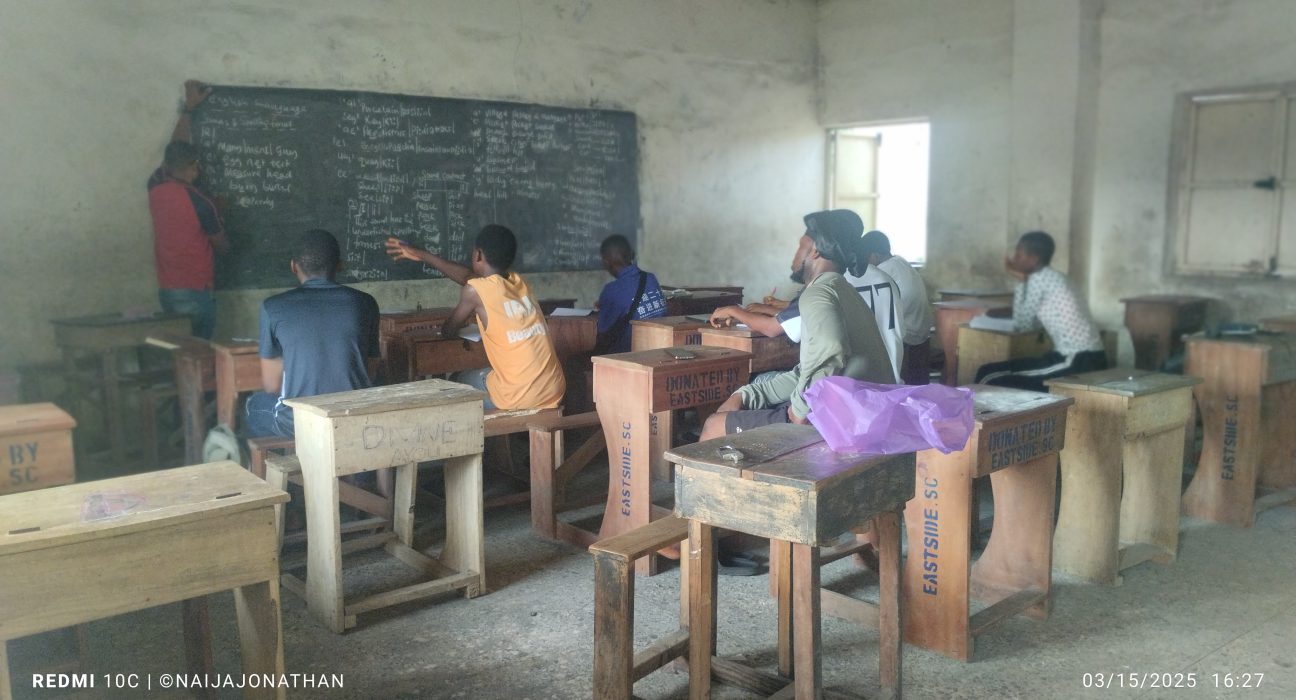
(998, 297)
(238, 370)
(949, 316)
(701, 302)
(84, 552)
(634, 393)
(195, 375)
(1279, 324)
(1122, 471)
(768, 354)
(35, 447)
(666, 332)
(1246, 402)
(1157, 322)
(1016, 441)
(431, 355)
(393, 326)
(784, 483)
(392, 426)
(107, 336)
(977, 347)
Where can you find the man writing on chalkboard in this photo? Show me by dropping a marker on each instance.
(633, 295)
(187, 226)
(524, 371)
(318, 338)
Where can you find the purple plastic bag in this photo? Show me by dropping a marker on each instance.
(855, 416)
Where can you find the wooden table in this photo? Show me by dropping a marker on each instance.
(978, 347)
(665, 332)
(1157, 322)
(768, 354)
(392, 426)
(635, 393)
(701, 301)
(1122, 471)
(393, 326)
(107, 336)
(1016, 441)
(35, 447)
(949, 316)
(141, 541)
(573, 335)
(195, 375)
(787, 485)
(238, 370)
(1279, 324)
(999, 297)
(1246, 402)
(431, 355)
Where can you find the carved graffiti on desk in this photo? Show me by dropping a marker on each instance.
(700, 388)
(412, 443)
(1023, 442)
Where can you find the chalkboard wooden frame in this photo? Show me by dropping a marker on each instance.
(432, 170)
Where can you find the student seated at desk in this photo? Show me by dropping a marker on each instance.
(1044, 298)
(773, 317)
(840, 335)
(524, 371)
(914, 307)
(315, 339)
(632, 296)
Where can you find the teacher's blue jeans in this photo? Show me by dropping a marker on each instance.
(198, 304)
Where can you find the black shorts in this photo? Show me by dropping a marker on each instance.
(738, 421)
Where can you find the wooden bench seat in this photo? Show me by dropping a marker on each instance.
(616, 665)
(282, 470)
(551, 469)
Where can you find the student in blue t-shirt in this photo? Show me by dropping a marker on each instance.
(614, 304)
(315, 339)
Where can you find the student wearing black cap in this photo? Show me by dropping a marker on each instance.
(840, 335)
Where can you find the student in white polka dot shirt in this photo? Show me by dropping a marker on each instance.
(1044, 298)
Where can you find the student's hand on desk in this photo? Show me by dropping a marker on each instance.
(763, 309)
(792, 418)
(195, 92)
(776, 303)
(400, 250)
(724, 317)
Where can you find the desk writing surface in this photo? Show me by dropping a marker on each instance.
(381, 399)
(1278, 350)
(111, 331)
(1124, 382)
(88, 511)
(23, 419)
(236, 347)
(180, 342)
(676, 323)
(1015, 426)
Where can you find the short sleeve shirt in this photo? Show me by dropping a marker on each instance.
(324, 332)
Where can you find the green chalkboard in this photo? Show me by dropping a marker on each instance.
(429, 170)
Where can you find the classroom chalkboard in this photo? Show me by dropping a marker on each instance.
(429, 170)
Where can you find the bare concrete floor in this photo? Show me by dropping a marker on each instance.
(1228, 606)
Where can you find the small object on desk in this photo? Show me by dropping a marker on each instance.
(700, 317)
(1236, 329)
(471, 332)
(680, 353)
(571, 312)
(244, 340)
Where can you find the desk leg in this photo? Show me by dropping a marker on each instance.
(323, 548)
(1149, 508)
(113, 408)
(1018, 556)
(1086, 542)
(630, 453)
(197, 639)
(1223, 489)
(808, 679)
(1278, 444)
(260, 634)
(781, 576)
(463, 549)
(6, 690)
(702, 588)
(890, 613)
(662, 428)
(189, 387)
(226, 391)
(935, 581)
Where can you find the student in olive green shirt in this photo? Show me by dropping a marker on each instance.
(840, 336)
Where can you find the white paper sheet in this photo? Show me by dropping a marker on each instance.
(571, 312)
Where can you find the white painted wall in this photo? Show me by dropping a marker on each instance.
(1153, 50)
(949, 61)
(731, 151)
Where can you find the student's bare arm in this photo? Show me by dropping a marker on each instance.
(272, 375)
(765, 325)
(195, 92)
(469, 305)
(399, 250)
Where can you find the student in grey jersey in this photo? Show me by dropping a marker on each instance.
(840, 338)
(914, 307)
(315, 339)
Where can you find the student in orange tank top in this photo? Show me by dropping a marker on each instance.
(524, 371)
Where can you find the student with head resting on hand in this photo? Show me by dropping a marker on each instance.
(524, 371)
(1043, 298)
(840, 336)
(319, 338)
